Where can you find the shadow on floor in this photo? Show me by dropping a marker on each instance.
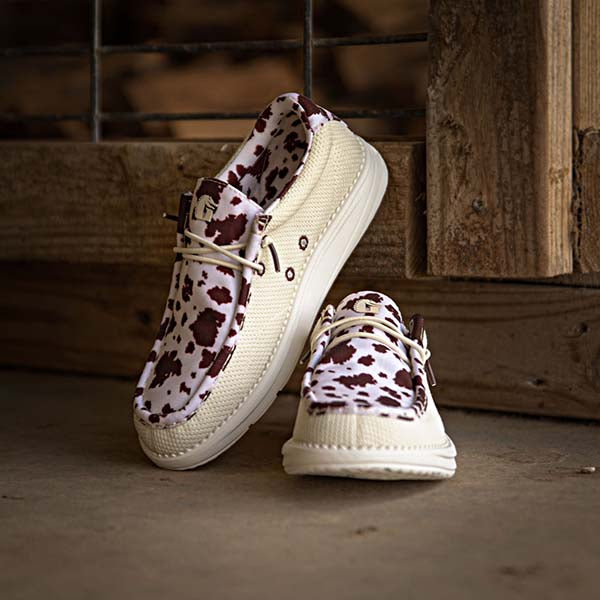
(94, 435)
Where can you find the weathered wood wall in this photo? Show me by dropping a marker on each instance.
(586, 124)
(586, 64)
(499, 153)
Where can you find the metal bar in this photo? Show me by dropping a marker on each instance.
(199, 116)
(359, 113)
(197, 48)
(19, 118)
(370, 40)
(307, 47)
(268, 45)
(95, 71)
(380, 113)
(62, 50)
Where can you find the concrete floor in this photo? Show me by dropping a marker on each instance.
(83, 514)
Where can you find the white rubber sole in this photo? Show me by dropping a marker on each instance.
(334, 249)
(369, 463)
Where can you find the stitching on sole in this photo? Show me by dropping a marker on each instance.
(314, 446)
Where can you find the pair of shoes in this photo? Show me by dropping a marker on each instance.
(257, 249)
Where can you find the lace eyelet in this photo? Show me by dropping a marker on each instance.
(262, 271)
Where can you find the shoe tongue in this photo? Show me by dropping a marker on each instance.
(370, 304)
(220, 212)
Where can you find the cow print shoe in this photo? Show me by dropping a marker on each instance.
(257, 248)
(366, 408)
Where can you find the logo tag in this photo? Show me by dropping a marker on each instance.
(367, 307)
(205, 208)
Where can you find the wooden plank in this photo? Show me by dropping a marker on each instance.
(98, 204)
(574, 280)
(586, 200)
(586, 64)
(506, 346)
(586, 123)
(94, 319)
(499, 153)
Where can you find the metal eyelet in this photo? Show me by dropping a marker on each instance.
(262, 271)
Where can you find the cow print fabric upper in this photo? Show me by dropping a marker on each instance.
(277, 148)
(206, 304)
(360, 375)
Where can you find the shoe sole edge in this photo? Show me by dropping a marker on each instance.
(300, 458)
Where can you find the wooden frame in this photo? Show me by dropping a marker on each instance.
(102, 203)
(499, 138)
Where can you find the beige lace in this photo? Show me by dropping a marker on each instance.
(377, 323)
(200, 254)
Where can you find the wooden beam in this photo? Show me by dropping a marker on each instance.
(586, 123)
(95, 319)
(586, 200)
(575, 280)
(102, 203)
(504, 346)
(586, 64)
(499, 153)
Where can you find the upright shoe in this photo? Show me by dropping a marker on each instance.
(366, 408)
(258, 247)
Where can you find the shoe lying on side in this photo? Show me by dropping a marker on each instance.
(258, 247)
(366, 409)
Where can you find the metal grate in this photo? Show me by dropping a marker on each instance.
(95, 117)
